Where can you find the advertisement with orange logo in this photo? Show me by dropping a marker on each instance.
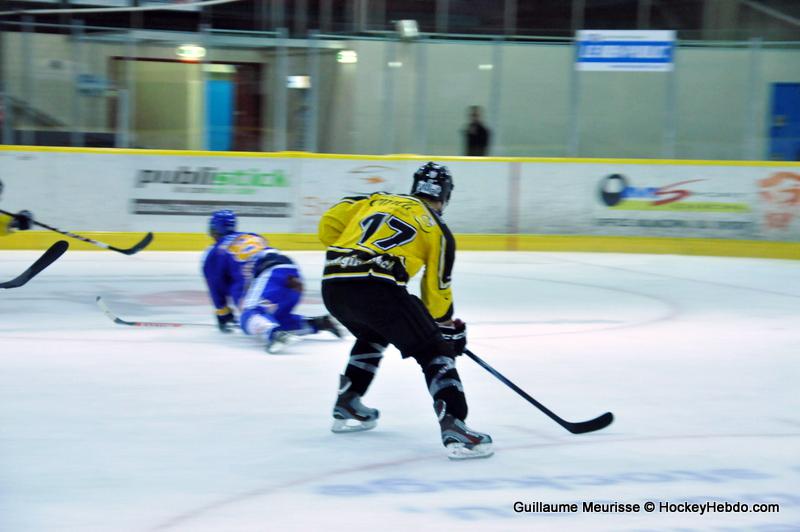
(703, 202)
(480, 193)
(780, 198)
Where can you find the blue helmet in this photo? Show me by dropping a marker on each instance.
(222, 223)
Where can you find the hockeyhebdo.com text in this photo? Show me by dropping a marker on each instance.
(677, 507)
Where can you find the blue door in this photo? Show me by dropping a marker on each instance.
(784, 131)
(219, 114)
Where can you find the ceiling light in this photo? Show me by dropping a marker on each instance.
(190, 52)
(347, 56)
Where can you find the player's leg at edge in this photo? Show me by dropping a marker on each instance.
(349, 414)
(450, 406)
(461, 442)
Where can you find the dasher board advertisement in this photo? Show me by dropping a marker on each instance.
(127, 190)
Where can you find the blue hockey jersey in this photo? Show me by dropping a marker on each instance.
(228, 267)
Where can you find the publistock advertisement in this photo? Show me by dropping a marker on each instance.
(193, 188)
(108, 191)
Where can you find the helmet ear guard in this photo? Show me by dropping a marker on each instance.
(434, 182)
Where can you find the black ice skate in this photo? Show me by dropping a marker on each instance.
(349, 415)
(326, 323)
(462, 443)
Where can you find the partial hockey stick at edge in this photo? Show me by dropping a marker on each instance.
(580, 427)
(48, 257)
(120, 321)
(143, 243)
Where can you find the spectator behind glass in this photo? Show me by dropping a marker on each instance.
(476, 135)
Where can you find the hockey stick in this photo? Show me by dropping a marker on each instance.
(120, 321)
(47, 258)
(127, 251)
(581, 427)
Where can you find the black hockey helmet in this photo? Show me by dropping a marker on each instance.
(433, 181)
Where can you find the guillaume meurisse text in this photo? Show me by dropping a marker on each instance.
(700, 508)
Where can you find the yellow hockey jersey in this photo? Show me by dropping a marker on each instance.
(5, 221)
(391, 237)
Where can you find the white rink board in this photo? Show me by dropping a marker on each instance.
(287, 193)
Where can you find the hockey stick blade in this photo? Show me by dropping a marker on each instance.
(120, 321)
(137, 248)
(580, 427)
(48, 257)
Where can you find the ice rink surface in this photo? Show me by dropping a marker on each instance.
(107, 428)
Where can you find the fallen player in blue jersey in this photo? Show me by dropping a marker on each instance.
(264, 285)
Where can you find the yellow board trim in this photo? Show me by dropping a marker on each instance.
(394, 157)
(471, 242)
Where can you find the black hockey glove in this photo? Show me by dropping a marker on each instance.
(226, 322)
(456, 334)
(22, 220)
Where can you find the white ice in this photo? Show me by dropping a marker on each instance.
(107, 428)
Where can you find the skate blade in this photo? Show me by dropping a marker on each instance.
(278, 347)
(341, 425)
(458, 451)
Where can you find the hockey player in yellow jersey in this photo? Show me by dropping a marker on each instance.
(376, 244)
